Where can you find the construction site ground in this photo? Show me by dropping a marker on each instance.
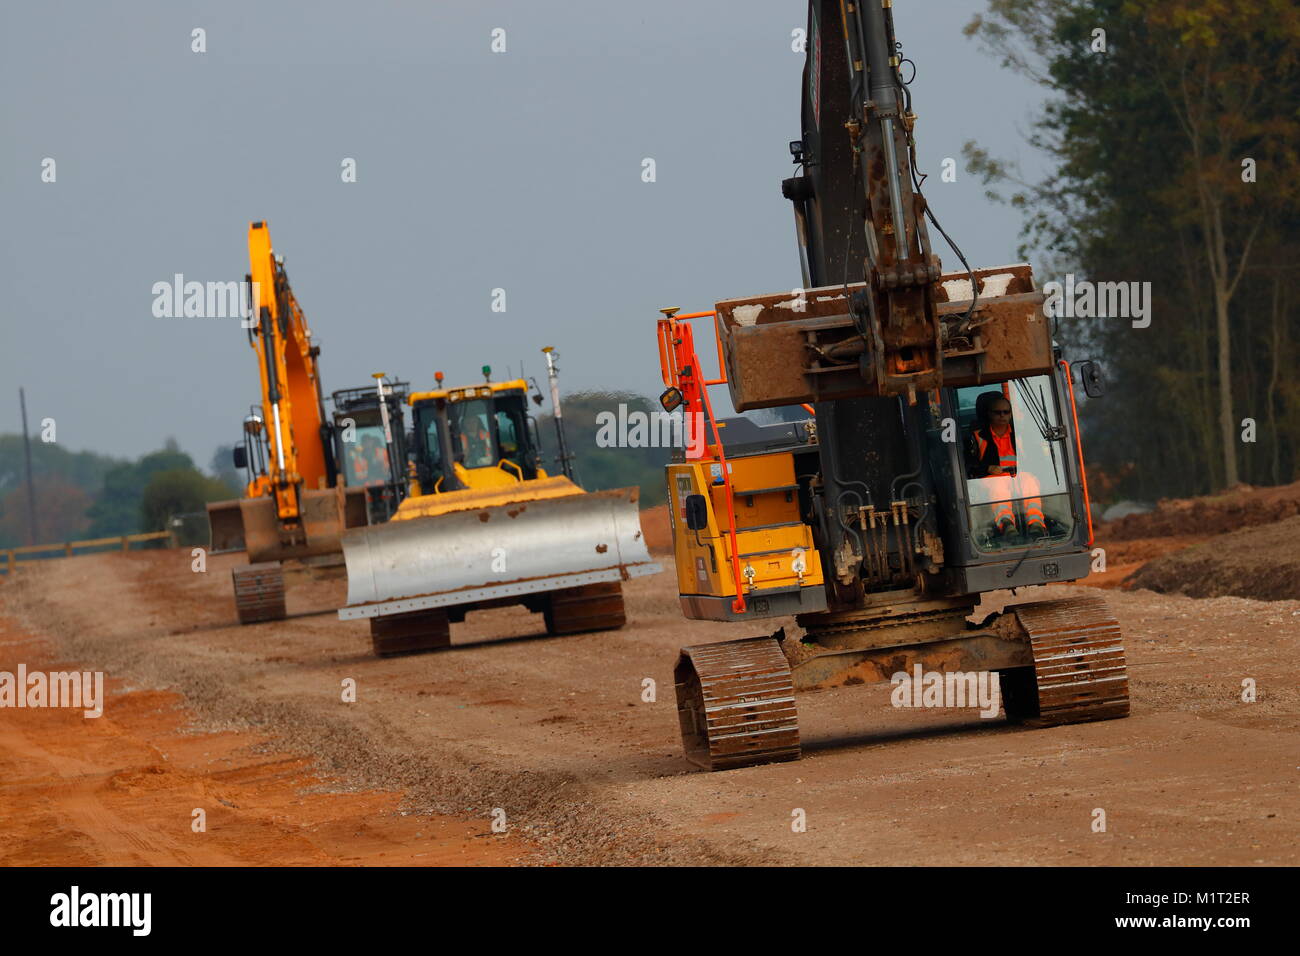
(552, 736)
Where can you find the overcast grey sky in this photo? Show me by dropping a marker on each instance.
(476, 170)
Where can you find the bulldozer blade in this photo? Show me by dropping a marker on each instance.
(502, 551)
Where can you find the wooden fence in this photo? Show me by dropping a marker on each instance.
(70, 547)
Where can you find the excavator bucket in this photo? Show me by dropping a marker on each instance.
(494, 552)
(252, 525)
(227, 526)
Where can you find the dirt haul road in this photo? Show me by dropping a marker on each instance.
(554, 732)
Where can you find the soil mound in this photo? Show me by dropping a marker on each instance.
(658, 532)
(1261, 562)
(1240, 507)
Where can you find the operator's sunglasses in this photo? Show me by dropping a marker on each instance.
(1001, 411)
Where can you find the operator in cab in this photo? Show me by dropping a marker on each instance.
(370, 461)
(991, 457)
(476, 442)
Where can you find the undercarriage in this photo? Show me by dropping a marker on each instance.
(1058, 662)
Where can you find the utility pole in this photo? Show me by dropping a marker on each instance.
(565, 459)
(31, 488)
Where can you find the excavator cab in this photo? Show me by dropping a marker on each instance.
(1030, 498)
(369, 445)
(1026, 520)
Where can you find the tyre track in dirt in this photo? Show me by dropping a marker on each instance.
(122, 790)
(554, 731)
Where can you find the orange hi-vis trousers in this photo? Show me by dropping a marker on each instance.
(1005, 488)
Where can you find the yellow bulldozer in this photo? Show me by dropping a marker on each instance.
(486, 526)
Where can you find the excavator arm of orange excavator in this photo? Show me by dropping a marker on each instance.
(292, 401)
(293, 505)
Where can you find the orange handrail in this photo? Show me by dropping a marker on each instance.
(677, 352)
(1078, 447)
(738, 605)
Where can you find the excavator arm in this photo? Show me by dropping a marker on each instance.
(857, 203)
(877, 317)
(292, 403)
(293, 509)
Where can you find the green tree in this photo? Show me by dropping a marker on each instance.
(1150, 141)
(598, 467)
(177, 491)
(56, 473)
(85, 469)
(223, 469)
(60, 513)
(117, 508)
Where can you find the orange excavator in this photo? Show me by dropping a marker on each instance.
(295, 506)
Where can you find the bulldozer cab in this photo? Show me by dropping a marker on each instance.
(476, 437)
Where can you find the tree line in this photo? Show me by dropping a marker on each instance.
(1173, 133)
(81, 495)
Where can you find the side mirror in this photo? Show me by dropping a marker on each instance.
(240, 454)
(697, 512)
(1092, 379)
(671, 399)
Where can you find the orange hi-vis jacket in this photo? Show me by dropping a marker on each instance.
(1006, 447)
(1024, 487)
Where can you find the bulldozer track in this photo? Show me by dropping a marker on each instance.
(594, 607)
(410, 633)
(735, 703)
(1079, 671)
(259, 592)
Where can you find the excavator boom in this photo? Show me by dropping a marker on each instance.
(291, 391)
(294, 507)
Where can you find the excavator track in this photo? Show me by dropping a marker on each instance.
(410, 633)
(735, 703)
(595, 607)
(1079, 672)
(259, 592)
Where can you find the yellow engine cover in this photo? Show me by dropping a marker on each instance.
(425, 506)
(774, 547)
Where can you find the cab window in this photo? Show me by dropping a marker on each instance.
(512, 435)
(1015, 468)
(429, 465)
(471, 428)
(366, 457)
